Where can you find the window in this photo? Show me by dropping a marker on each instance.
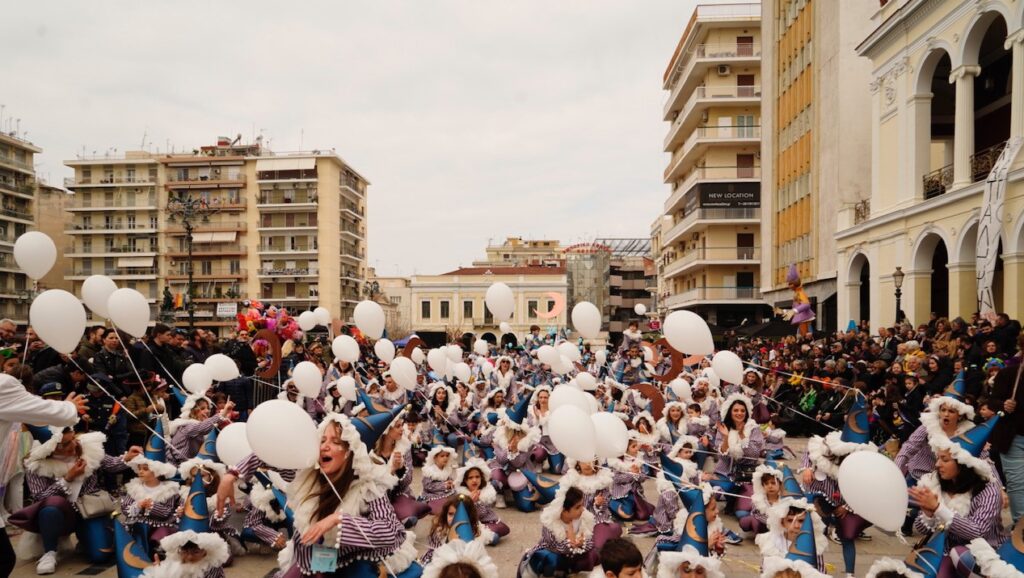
(129, 174)
(445, 309)
(531, 307)
(235, 266)
(314, 290)
(108, 265)
(108, 242)
(206, 267)
(424, 309)
(152, 222)
(467, 309)
(551, 305)
(131, 221)
(395, 300)
(87, 245)
(745, 126)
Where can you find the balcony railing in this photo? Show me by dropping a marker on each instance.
(212, 178)
(7, 160)
(983, 161)
(712, 294)
(127, 249)
(939, 181)
(710, 214)
(713, 93)
(138, 228)
(198, 272)
(21, 188)
(283, 249)
(208, 248)
(352, 208)
(708, 135)
(717, 173)
(88, 201)
(24, 215)
(114, 271)
(288, 272)
(862, 211)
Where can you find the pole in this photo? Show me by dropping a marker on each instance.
(188, 241)
(899, 293)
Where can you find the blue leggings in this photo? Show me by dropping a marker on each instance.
(51, 527)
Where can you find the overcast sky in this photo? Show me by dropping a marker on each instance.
(474, 120)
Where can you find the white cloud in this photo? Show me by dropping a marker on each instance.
(473, 120)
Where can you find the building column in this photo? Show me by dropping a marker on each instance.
(917, 296)
(963, 290)
(963, 130)
(1015, 42)
(1013, 280)
(920, 107)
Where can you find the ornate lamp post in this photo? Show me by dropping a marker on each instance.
(188, 210)
(897, 279)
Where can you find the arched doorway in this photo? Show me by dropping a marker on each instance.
(931, 279)
(489, 338)
(859, 280)
(939, 297)
(984, 46)
(509, 340)
(935, 100)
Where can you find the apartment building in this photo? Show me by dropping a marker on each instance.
(711, 241)
(288, 229)
(17, 215)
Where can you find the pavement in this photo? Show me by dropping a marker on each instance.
(740, 561)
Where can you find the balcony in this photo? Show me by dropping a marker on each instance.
(210, 274)
(108, 251)
(206, 249)
(714, 295)
(352, 231)
(17, 215)
(695, 65)
(214, 181)
(352, 210)
(214, 226)
(111, 228)
(940, 181)
(352, 254)
(16, 164)
(709, 175)
(352, 186)
(82, 273)
(704, 97)
(298, 249)
(705, 256)
(700, 218)
(289, 272)
(703, 137)
(21, 190)
(91, 202)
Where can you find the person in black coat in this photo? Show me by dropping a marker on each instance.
(68, 375)
(111, 360)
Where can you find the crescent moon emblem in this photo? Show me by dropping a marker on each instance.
(131, 559)
(673, 355)
(190, 512)
(457, 525)
(794, 550)
(555, 311)
(851, 421)
(410, 345)
(149, 444)
(691, 527)
(915, 558)
(275, 353)
(653, 394)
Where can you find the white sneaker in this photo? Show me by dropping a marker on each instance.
(500, 502)
(47, 564)
(235, 547)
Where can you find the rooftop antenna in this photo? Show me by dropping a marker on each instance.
(142, 146)
(17, 126)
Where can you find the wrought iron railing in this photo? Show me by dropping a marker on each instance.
(983, 161)
(937, 182)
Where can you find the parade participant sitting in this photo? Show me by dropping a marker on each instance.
(395, 449)
(673, 422)
(266, 519)
(1007, 561)
(661, 522)
(595, 483)
(648, 440)
(438, 477)
(504, 377)
(150, 504)
(189, 430)
(190, 554)
(739, 442)
(441, 413)
(619, 558)
(62, 477)
(461, 559)
(794, 526)
(698, 534)
(963, 494)
(457, 520)
(219, 520)
(538, 415)
(342, 513)
(628, 502)
(473, 480)
(512, 442)
(391, 395)
(566, 543)
(697, 425)
(767, 482)
(774, 438)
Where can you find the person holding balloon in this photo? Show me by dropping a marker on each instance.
(567, 538)
(539, 413)
(595, 482)
(189, 431)
(394, 449)
(739, 443)
(473, 480)
(505, 377)
(627, 494)
(150, 502)
(512, 442)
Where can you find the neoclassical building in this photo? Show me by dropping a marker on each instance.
(947, 118)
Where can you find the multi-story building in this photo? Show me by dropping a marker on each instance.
(52, 218)
(288, 229)
(946, 211)
(17, 215)
(815, 142)
(713, 243)
(517, 251)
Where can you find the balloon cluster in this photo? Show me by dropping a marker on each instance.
(256, 317)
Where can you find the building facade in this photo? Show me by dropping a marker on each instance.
(52, 218)
(518, 251)
(947, 179)
(287, 229)
(711, 237)
(815, 142)
(17, 215)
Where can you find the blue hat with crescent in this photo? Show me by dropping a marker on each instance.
(279, 496)
(673, 471)
(926, 559)
(790, 486)
(132, 558)
(958, 388)
(208, 451)
(545, 487)
(156, 447)
(517, 414)
(461, 523)
(966, 448)
(803, 548)
(857, 429)
(372, 407)
(196, 516)
(371, 427)
(1008, 560)
(695, 532)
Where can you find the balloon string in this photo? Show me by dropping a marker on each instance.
(128, 411)
(384, 563)
(804, 378)
(141, 382)
(686, 484)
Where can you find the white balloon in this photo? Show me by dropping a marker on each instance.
(505, 327)
(548, 355)
(283, 435)
(58, 318)
(601, 356)
(418, 356)
(221, 367)
(462, 372)
(563, 366)
(385, 350)
(403, 370)
(307, 320)
(681, 388)
(323, 316)
(481, 347)
(454, 353)
(728, 366)
(345, 348)
(449, 368)
(369, 318)
(233, 444)
(564, 395)
(640, 309)
(875, 488)
(487, 369)
(569, 350)
(587, 381)
(129, 311)
(500, 301)
(614, 436)
(648, 354)
(96, 291)
(573, 433)
(35, 253)
(436, 359)
(347, 387)
(586, 318)
(196, 378)
(688, 333)
(712, 377)
(308, 378)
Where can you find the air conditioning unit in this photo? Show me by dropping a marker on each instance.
(724, 70)
(704, 116)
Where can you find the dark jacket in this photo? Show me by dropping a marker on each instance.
(116, 365)
(1011, 424)
(239, 390)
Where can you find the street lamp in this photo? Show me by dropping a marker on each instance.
(187, 209)
(897, 279)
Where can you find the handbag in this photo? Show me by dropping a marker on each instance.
(95, 505)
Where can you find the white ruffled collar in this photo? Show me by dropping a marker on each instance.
(958, 503)
(601, 480)
(159, 493)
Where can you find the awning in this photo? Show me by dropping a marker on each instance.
(218, 237)
(135, 261)
(286, 164)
